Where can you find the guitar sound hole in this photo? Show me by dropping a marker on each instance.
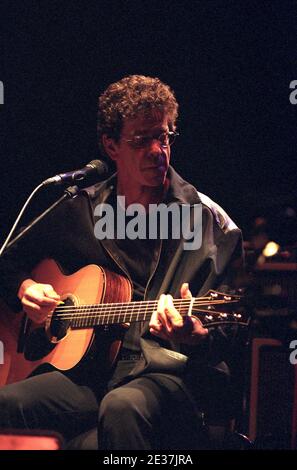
(40, 342)
(60, 321)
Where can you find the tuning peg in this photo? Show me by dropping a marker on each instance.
(227, 297)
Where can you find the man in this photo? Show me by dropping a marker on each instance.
(160, 384)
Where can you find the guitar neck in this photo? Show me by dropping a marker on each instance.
(89, 316)
(111, 314)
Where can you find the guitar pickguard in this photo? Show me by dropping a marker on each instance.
(37, 345)
(57, 328)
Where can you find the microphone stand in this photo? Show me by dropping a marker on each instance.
(70, 192)
(25, 323)
(94, 166)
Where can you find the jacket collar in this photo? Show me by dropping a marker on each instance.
(179, 190)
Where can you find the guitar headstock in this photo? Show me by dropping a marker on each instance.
(226, 298)
(214, 310)
(213, 318)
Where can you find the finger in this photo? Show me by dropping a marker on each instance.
(160, 334)
(156, 326)
(155, 323)
(197, 334)
(185, 291)
(34, 312)
(161, 310)
(27, 304)
(49, 291)
(40, 300)
(175, 318)
(198, 328)
(161, 303)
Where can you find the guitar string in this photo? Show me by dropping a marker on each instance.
(208, 300)
(111, 304)
(208, 323)
(106, 308)
(92, 313)
(82, 312)
(231, 318)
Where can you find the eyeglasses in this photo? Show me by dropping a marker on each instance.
(165, 138)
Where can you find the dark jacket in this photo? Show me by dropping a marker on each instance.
(67, 235)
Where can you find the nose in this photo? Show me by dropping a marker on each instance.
(156, 151)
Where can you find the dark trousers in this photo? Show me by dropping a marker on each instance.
(146, 413)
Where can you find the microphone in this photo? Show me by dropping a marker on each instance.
(94, 167)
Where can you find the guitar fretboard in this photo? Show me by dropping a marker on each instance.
(88, 316)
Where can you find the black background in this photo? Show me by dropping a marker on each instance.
(229, 62)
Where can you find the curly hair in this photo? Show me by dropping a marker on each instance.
(129, 97)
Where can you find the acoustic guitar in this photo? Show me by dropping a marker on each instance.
(91, 297)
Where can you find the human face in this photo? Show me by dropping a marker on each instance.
(144, 166)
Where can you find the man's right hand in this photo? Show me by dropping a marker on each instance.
(38, 299)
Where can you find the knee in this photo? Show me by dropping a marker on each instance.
(120, 407)
(9, 399)
(11, 408)
(117, 404)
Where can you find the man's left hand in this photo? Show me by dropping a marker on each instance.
(167, 323)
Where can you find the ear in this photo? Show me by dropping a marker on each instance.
(110, 147)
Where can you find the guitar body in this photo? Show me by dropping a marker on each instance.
(13, 364)
(89, 285)
(91, 297)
